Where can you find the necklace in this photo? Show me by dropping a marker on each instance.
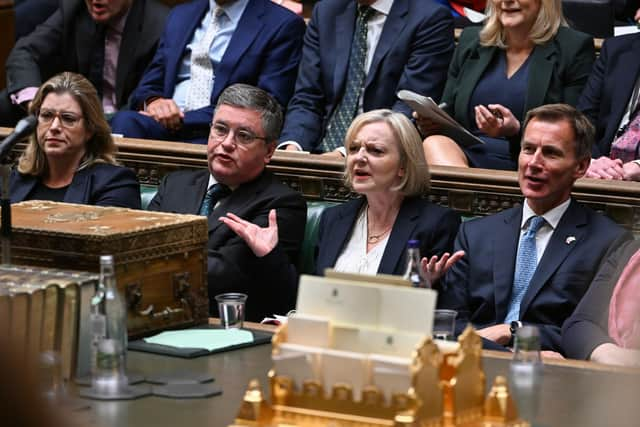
(375, 238)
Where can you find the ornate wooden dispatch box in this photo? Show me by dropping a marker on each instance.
(47, 310)
(160, 258)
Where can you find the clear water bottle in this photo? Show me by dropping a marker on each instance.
(525, 372)
(413, 273)
(109, 331)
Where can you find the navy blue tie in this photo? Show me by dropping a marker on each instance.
(346, 110)
(214, 194)
(526, 263)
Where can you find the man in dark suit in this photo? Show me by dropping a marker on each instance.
(248, 41)
(110, 43)
(611, 100)
(243, 136)
(532, 264)
(408, 46)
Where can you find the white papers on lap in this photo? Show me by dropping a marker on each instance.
(427, 108)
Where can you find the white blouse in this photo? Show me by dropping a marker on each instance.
(354, 258)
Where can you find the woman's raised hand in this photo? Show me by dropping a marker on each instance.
(496, 120)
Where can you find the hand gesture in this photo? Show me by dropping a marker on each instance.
(435, 268)
(425, 126)
(631, 171)
(496, 120)
(261, 240)
(500, 333)
(166, 112)
(605, 168)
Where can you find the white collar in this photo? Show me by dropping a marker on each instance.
(552, 216)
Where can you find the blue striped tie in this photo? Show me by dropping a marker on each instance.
(214, 193)
(346, 110)
(526, 263)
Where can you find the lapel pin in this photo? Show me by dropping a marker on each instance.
(570, 240)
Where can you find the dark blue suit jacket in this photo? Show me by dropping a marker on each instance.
(479, 285)
(101, 185)
(434, 226)
(413, 53)
(264, 51)
(608, 90)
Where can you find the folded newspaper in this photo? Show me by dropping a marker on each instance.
(426, 107)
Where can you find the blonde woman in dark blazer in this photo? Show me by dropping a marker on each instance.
(523, 57)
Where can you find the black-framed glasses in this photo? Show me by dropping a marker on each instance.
(220, 131)
(66, 118)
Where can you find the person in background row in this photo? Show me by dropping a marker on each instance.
(208, 45)
(532, 264)
(245, 126)
(71, 157)
(611, 100)
(357, 55)
(521, 58)
(605, 327)
(110, 42)
(369, 235)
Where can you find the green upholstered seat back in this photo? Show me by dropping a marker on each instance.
(306, 264)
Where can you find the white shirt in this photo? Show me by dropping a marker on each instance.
(354, 257)
(552, 218)
(227, 26)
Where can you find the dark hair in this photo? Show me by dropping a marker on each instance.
(583, 130)
(253, 98)
(100, 148)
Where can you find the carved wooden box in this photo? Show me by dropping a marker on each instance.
(160, 258)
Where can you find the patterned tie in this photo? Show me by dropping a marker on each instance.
(201, 81)
(526, 264)
(214, 194)
(346, 110)
(625, 147)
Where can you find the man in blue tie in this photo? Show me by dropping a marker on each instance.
(532, 264)
(242, 139)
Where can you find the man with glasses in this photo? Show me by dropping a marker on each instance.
(245, 126)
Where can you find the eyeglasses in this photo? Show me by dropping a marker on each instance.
(67, 119)
(220, 131)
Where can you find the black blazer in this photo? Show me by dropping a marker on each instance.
(64, 42)
(608, 90)
(434, 226)
(558, 71)
(101, 185)
(232, 267)
(479, 285)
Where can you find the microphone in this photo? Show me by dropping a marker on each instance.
(23, 128)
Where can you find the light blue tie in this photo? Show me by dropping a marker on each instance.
(346, 110)
(526, 264)
(214, 193)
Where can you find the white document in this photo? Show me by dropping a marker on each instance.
(390, 374)
(345, 367)
(344, 302)
(426, 107)
(309, 330)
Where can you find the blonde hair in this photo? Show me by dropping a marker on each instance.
(100, 148)
(416, 180)
(545, 27)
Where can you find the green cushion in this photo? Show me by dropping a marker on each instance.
(307, 255)
(147, 192)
